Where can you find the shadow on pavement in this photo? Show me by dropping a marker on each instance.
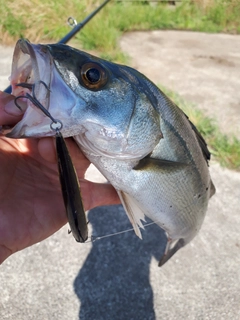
(114, 280)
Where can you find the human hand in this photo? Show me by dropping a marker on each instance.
(31, 204)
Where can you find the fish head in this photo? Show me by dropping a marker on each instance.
(98, 101)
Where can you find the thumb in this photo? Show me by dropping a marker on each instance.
(9, 113)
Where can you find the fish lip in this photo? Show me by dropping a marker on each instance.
(32, 64)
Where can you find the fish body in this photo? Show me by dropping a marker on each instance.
(131, 131)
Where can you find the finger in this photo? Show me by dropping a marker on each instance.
(80, 162)
(98, 194)
(4, 253)
(47, 149)
(9, 113)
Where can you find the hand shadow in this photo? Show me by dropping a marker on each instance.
(113, 283)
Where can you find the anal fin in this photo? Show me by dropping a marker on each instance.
(134, 213)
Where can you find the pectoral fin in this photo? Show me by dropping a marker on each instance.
(149, 163)
(135, 214)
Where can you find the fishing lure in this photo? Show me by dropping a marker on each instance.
(67, 174)
(71, 191)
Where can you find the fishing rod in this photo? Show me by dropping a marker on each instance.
(81, 24)
(75, 30)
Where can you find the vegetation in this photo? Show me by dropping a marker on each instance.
(45, 21)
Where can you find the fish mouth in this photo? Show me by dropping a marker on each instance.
(32, 65)
(31, 76)
(34, 75)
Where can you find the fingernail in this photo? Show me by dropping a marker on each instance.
(13, 110)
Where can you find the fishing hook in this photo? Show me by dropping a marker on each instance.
(34, 99)
(32, 86)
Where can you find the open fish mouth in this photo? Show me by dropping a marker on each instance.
(31, 76)
(34, 75)
(32, 65)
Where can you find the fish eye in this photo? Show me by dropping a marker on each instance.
(93, 75)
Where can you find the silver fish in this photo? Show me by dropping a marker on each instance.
(138, 139)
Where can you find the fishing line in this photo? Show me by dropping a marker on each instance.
(97, 238)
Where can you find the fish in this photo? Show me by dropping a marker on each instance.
(140, 140)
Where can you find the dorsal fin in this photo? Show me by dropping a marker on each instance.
(201, 141)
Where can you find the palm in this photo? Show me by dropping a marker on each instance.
(31, 205)
(30, 197)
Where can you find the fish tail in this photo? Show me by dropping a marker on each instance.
(169, 252)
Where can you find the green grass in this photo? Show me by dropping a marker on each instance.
(225, 149)
(46, 20)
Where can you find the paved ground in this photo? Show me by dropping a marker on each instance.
(118, 277)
